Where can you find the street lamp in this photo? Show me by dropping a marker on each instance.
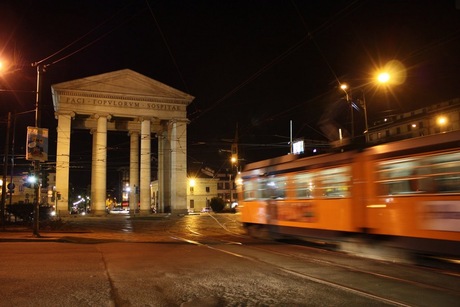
(345, 88)
(383, 77)
(36, 163)
(393, 73)
(442, 122)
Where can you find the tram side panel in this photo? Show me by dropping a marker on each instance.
(314, 201)
(319, 199)
(252, 207)
(416, 199)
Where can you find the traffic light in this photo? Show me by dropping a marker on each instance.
(45, 179)
(30, 181)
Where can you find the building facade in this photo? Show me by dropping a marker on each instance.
(22, 194)
(437, 118)
(200, 191)
(147, 110)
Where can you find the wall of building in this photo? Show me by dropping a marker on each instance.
(418, 122)
(23, 194)
(200, 191)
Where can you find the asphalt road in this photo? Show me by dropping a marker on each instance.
(198, 260)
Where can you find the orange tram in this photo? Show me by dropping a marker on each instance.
(404, 194)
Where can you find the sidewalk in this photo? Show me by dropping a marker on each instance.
(60, 229)
(21, 233)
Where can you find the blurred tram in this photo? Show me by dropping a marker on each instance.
(404, 194)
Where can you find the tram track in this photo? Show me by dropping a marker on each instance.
(298, 261)
(382, 283)
(296, 273)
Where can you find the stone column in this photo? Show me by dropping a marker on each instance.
(93, 167)
(145, 176)
(164, 168)
(179, 167)
(134, 171)
(63, 162)
(100, 166)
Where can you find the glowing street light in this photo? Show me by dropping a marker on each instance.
(442, 122)
(392, 73)
(383, 77)
(345, 88)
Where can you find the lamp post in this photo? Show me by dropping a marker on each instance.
(382, 78)
(5, 169)
(5, 163)
(345, 88)
(36, 163)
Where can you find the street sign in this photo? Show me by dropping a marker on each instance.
(37, 144)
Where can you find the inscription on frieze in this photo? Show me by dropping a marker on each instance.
(120, 103)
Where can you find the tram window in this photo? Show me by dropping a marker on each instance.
(439, 173)
(446, 172)
(335, 182)
(395, 177)
(274, 188)
(304, 185)
(249, 190)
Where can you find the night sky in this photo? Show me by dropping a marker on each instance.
(253, 64)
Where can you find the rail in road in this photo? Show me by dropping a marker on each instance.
(379, 282)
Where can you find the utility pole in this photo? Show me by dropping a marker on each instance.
(5, 169)
(36, 163)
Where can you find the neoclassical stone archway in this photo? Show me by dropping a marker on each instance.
(125, 101)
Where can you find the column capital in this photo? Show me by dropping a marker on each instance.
(70, 113)
(143, 118)
(98, 115)
(179, 120)
(133, 131)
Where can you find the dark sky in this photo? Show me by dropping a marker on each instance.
(256, 64)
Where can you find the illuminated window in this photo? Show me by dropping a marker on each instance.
(335, 182)
(304, 185)
(439, 173)
(274, 187)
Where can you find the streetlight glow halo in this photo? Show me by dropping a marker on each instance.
(393, 73)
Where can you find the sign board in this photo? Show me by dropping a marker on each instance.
(298, 147)
(37, 144)
(208, 171)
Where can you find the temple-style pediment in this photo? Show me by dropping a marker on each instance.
(125, 82)
(125, 92)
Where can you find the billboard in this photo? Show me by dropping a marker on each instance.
(37, 144)
(298, 147)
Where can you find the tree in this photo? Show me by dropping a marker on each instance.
(217, 204)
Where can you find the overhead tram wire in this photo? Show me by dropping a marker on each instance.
(277, 59)
(167, 46)
(324, 26)
(309, 37)
(91, 42)
(252, 77)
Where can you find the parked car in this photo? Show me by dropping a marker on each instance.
(119, 210)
